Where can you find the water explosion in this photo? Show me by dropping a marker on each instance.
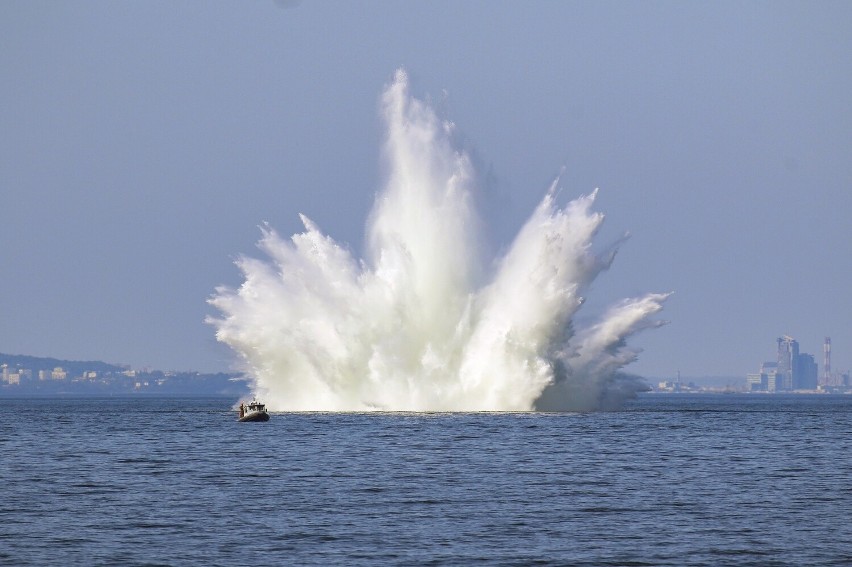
(413, 326)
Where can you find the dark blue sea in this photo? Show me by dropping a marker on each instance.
(670, 480)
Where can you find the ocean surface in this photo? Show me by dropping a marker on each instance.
(670, 480)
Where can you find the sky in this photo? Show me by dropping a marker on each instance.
(143, 143)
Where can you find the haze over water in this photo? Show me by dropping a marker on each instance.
(425, 322)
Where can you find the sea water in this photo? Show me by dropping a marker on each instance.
(669, 480)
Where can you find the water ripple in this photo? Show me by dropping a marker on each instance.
(704, 480)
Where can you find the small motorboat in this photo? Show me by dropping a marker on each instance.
(254, 411)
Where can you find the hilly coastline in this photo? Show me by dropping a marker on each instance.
(24, 375)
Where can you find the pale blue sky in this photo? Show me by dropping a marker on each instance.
(141, 143)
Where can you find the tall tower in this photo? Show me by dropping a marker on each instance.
(788, 362)
(826, 363)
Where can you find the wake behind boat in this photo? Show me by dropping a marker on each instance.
(254, 411)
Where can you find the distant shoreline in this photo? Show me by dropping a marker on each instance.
(32, 376)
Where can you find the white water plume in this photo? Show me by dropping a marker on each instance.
(414, 326)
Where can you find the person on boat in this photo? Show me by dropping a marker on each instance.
(242, 410)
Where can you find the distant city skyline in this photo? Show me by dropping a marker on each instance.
(793, 370)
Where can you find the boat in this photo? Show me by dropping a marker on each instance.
(254, 411)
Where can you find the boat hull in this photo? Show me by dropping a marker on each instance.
(257, 416)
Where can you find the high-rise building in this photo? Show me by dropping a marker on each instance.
(805, 376)
(769, 368)
(796, 371)
(788, 359)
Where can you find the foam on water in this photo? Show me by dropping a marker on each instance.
(415, 325)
